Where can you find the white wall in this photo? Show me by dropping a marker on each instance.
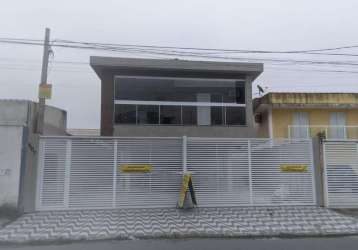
(10, 162)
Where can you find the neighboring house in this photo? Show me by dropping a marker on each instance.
(304, 115)
(18, 148)
(150, 97)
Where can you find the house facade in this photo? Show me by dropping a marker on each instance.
(150, 97)
(304, 115)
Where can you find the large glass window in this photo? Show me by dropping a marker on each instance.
(337, 128)
(179, 101)
(125, 114)
(178, 90)
(189, 115)
(235, 116)
(217, 116)
(300, 125)
(170, 115)
(148, 114)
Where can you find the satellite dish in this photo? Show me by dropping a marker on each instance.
(261, 90)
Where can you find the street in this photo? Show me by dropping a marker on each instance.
(345, 243)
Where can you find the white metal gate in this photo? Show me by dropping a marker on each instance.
(83, 173)
(341, 173)
(247, 171)
(80, 173)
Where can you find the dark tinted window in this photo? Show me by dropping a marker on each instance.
(189, 115)
(148, 114)
(235, 116)
(170, 115)
(240, 93)
(125, 114)
(179, 90)
(217, 115)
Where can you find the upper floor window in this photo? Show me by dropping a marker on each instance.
(179, 101)
(300, 128)
(179, 89)
(337, 128)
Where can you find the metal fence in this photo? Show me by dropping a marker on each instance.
(341, 173)
(84, 173)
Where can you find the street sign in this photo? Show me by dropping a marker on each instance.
(45, 91)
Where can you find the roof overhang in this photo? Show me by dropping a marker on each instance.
(291, 100)
(100, 64)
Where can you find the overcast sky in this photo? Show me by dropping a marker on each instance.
(226, 24)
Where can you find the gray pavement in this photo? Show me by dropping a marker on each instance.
(282, 221)
(346, 243)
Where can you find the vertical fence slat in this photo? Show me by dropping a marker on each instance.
(115, 154)
(67, 172)
(40, 173)
(325, 181)
(250, 172)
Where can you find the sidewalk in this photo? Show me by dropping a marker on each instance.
(172, 223)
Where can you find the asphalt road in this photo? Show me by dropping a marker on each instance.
(345, 243)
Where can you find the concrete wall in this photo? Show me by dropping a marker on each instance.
(55, 121)
(13, 112)
(55, 124)
(19, 152)
(194, 131)
(11, 141)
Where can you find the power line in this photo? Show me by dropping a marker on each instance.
(177, 50)
(210, 49)
(154, 50)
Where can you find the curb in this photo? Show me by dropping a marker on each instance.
(63, 241)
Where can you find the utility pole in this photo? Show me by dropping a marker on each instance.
(42, 99)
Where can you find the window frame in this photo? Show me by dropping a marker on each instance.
(181, 104)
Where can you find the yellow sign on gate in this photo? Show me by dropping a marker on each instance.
(135, 168)
(294, 168)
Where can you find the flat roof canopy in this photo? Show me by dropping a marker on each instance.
(117, 63)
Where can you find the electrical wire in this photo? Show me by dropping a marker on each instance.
(192, 52)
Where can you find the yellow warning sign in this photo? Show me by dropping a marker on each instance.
(295, 168)
(187, 185)
(135, 168)
(45, 91)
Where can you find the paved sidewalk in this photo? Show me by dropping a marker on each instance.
(173, 223)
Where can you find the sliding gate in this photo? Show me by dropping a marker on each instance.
(87, 172)
(341, 173)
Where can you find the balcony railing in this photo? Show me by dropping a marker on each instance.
(330, 132)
